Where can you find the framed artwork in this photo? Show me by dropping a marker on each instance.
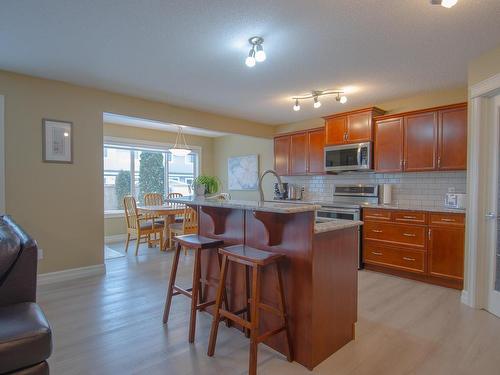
(57, 141)
(243, 172)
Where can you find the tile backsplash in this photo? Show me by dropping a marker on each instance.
(422, 189)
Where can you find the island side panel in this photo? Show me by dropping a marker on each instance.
(335, 290)
(296, 244)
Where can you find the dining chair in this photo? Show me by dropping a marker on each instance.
(188, 226)
(178, 218)
(154, 199)
(139, 225)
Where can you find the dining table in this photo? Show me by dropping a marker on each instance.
(168, 212)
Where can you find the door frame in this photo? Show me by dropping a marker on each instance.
(2, 154)
(475, 293)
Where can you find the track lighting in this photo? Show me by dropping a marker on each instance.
(256, 53)
(317, 103)
(342, 99)
(444, 3)
(296, 107)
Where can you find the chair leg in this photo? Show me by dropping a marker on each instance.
(127, 242)
(160, 244)
(247, 294)
(171, 283)
(137, 244)
(284, 317)
(254, 331)
(194, 295)
(218, 302)
(225, 300)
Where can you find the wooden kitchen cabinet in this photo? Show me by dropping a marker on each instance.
(388, 150)
(316, 143)
(350, 127)
(452, 139)
(300, 153)
(425, 140)
(282, 155)
(420, 142)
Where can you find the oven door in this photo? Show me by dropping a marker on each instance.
(351, 157)
(325, 214)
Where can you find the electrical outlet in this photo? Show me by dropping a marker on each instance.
(40, 254)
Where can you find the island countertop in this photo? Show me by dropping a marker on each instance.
(335, 224)
(283, 208)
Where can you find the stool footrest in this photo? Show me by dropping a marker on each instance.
(270, 333)
(178, 290)
(204, 305)
(235, 318)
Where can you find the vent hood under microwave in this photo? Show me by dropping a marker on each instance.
(352, 157)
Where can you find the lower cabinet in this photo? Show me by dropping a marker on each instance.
(416, 244)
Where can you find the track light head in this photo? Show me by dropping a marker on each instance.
(250, 60)
(296, 107)
(256, 53)
(317, 103)
(444, 3)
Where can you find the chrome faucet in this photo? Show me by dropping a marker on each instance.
(280, 184)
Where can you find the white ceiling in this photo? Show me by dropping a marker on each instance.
(137, 122)
(191, 53)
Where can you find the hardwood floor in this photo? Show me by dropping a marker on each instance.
(113, 325)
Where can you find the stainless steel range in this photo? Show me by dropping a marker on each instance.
(347, 203)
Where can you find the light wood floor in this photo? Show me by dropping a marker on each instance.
(112, 325)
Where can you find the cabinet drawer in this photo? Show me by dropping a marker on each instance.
(395, 258)
(399, 234)
(444, 218)
(416, 217)
(376, 214)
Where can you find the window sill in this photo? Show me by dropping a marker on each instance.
(111, 214)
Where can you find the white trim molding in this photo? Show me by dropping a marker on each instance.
(115, 238)
(487, 87)
(71, 274)
(2, 155)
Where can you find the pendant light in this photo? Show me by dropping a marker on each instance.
(180, 149)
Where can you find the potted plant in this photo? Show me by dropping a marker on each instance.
(203, 185)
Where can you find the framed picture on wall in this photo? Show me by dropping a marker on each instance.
(57, 141)
(243, 172)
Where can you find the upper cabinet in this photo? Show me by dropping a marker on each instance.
(427, 140)
(300, 153)
(350, 127)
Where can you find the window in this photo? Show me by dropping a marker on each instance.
(138, 170)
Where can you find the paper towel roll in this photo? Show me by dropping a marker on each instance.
(387, 194)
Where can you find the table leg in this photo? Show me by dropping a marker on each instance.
(166, 232)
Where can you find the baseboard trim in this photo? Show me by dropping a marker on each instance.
(115, 238)
(71, 274)
(464, 298)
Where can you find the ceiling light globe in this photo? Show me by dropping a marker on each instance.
(448, 3)
(250, 61)
(260, 55)
(296, 107)
(343, 99)
(317, 103)
(180, 151)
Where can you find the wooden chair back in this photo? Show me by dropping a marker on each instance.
(131, 213)
(190, 223)
(153, 199)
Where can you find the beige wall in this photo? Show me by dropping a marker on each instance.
(234, 145)
(62, 205)
(116, 225)
(423, 100)
(485, 66)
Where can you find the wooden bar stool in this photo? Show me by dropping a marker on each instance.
(197, 243)
(256, 260)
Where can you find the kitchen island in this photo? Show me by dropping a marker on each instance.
(319, 271)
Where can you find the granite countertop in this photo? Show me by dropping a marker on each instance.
(278, 207)
(335, 224)
(412, 208)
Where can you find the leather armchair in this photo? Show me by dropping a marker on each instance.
(25, 334)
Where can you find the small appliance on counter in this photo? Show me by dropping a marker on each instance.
(455, 200)
(385, 194)
(277, 194)
(291, 192)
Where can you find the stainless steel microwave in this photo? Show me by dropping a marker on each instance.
(352, 157)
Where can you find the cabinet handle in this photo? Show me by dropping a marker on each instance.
(406, 164)
(401, 162)
(375, 215)
(376, 231)
(375, 253)
(430, 232)
(410, 259)
(409, 234)
(439, 162)
(409, 217)
(447, 220)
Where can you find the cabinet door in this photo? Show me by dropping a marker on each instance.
(282, 155)
(298, 154)
(389, 145)
(359, 127)
(336, 128)
(420, 142)
(446, 252)
(452, 147)
(316, 151)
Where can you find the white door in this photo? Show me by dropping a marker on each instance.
(493, 210)
(2, 157)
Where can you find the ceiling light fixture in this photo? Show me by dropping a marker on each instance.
(296, 107)
(180, 149)
(315, 96)
(444, 3)
(256, 53)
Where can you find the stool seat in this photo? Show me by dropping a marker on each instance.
(195, 241)
(250, 255)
